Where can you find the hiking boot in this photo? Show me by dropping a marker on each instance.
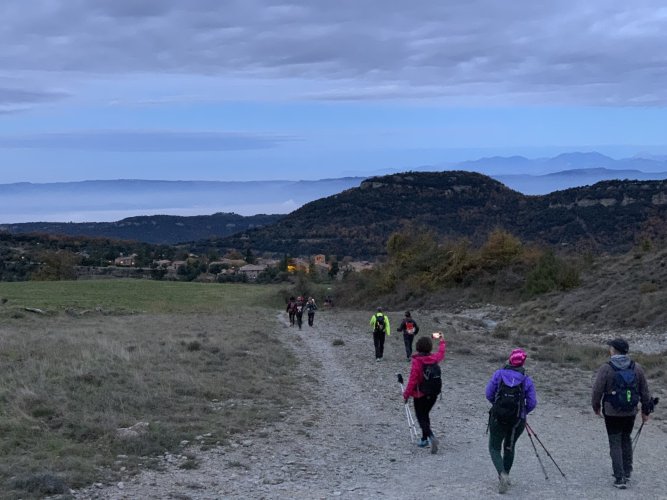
(620, 483)
(422, 443)
(503, 483)
(434, 444)
(377, 360)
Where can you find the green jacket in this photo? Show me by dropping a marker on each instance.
(374, 319)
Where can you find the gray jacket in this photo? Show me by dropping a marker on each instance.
(604, 382)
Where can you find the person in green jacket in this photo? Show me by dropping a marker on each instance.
(380, 325)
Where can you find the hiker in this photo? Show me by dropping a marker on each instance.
(424, 385)
(619, 386)
(298, 311)
(410, 330)
(311, 307)
(291, 310)
(380, 325)
(512, 395)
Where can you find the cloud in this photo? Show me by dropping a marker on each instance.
(14, 100)
(142, 141)
(598, 52)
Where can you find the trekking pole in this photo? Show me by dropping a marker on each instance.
(636, 438)
(531, 431)
(544, 471)
(408, 414)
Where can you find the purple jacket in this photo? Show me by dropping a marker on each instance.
(512, 377)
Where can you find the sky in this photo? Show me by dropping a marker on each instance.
(310, 89)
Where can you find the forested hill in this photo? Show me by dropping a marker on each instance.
(158, 229)
(610, 215)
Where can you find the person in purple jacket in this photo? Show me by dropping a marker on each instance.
(512, 394)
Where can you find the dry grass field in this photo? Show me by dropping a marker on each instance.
(190, 360)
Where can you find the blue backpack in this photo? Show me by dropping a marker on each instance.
(624, 395)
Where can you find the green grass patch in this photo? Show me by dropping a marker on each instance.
(136, 295)
(205, 360)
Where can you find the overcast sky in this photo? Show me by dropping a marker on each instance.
(266, 89)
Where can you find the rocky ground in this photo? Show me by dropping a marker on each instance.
(351, 438)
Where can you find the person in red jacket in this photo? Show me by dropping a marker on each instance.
(424, 402)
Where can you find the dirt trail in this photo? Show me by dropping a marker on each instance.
(351, 439)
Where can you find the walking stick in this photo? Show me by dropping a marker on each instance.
(531, 431)
(636, 438)
(544, 471)
(408, 414)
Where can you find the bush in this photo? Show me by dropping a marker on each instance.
(551, 273)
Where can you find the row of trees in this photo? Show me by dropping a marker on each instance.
(418, 263)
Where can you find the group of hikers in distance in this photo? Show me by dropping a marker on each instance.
(295, 308)
(620, 387)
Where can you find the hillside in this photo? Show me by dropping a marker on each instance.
(616, 291)
(157, 229)
(609, 216)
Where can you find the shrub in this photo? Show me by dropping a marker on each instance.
(551, 273)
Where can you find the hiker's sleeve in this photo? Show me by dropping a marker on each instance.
(492, 387)
(373, 321)
(413, 380)
(644, 394)
(416, 327)
(386, 322)
(598, 389)
(531, 395)
(401, 327)
(440, 355)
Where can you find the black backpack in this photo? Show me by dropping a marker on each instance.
(380, 326)
(509, 403)
(624, 395)
(432, 382)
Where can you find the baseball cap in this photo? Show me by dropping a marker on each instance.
(620, 345)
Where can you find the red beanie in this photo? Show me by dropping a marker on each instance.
(518, 357)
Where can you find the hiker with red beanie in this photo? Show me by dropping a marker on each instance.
(512, 394)
(424, 385)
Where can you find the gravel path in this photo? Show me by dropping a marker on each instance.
(351, 440)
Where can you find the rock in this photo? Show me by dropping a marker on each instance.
(133, 432)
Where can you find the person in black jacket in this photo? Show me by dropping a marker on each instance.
(619, 405)
(410, 330)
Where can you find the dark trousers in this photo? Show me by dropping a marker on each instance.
(423, 407)
(299, 320)
(378, 341)
(502, 441)
(407, 340)
(311, 318)
(620, 444)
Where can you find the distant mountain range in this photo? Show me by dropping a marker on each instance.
(546, 175)
(103, 201)
(107, 201)
(610, 215)
(156, 229)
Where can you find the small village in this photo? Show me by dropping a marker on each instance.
(222, 269)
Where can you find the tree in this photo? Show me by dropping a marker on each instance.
(249, 257)
(335, 268)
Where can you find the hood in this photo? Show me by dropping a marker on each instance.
(425, 359)
(513, 375)
(621, 361)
